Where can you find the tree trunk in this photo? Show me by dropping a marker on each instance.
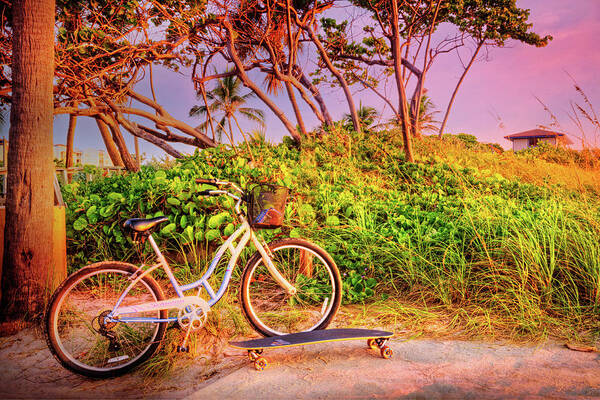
(70, 139)
(290, 92)
(462, 77)
(27, 266)
(109, 143)
(342, 81)
(244, 136)
(402, 100)
(252, 86)
(138, 159)
(418, 95)
(120, 142)
(319, 99)
(416, 107)
(149, 135)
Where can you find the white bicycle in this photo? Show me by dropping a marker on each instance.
(109, 317)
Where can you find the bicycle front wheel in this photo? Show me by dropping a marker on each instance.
(81, 337)
(271, 310)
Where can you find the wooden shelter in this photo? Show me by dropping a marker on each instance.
(531, 138)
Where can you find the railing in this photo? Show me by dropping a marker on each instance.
(64, 173)
(67, 173)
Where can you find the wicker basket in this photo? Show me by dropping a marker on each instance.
(266, 205)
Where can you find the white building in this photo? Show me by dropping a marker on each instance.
(60, 153)
(98, 158)
(527, 139)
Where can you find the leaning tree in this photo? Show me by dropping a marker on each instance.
(103, 49)
(403, 39)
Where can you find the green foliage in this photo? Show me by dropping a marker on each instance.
(561, 155)
(438, 230)
(97, 209)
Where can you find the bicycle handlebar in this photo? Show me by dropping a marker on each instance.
(209, 181)
(217, 183)
(208, 193)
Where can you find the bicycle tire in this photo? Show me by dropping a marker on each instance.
(270, 310)
(76, 307)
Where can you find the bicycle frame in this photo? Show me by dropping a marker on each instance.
(247, 234)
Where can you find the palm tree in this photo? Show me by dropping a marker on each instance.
(226, 99)
(427, 121)
(366, 116)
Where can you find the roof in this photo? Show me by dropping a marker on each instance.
(538, 133)
(534, 133)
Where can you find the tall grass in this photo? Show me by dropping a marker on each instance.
(487, 253)
(466, 240)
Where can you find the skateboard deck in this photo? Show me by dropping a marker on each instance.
(255, 347)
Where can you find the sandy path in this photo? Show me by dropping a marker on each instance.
(420, 369)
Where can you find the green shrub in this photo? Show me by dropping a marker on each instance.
(435, 230)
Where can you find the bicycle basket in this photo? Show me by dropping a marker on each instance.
(266, 205)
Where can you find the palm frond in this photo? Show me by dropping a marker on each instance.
(253, 114)
(226, 98)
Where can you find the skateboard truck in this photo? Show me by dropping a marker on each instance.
(260, 363)
(379, 343)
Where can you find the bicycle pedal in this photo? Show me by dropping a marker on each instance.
(182, 349)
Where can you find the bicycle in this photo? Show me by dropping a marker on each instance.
(111, 316)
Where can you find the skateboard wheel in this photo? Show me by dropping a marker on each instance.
(372, 344)
(260, 363)
(386, 352)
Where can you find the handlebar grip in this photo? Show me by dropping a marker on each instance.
(206, 193)
(207, 181)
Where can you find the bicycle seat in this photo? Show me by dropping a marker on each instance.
(143, 224)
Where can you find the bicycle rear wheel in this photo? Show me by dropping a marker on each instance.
(83, 340)
(271, 310)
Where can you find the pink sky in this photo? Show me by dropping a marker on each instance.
(504, 85)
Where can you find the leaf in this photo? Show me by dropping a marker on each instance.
(212, 234)
(199, 236)
(80, 223)
(168, 229)
(332, 221)
(107, 211)
(189, 207)
(188, 233)
(115, 196)
(174, 201)
(183, 221)
(217, 220)
(229, 229)
(91, 213)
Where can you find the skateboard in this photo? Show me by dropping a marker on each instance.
(375, 339)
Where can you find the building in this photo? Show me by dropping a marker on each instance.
(98, 158)
(524, 140)
(60, 153)
(4, 152)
